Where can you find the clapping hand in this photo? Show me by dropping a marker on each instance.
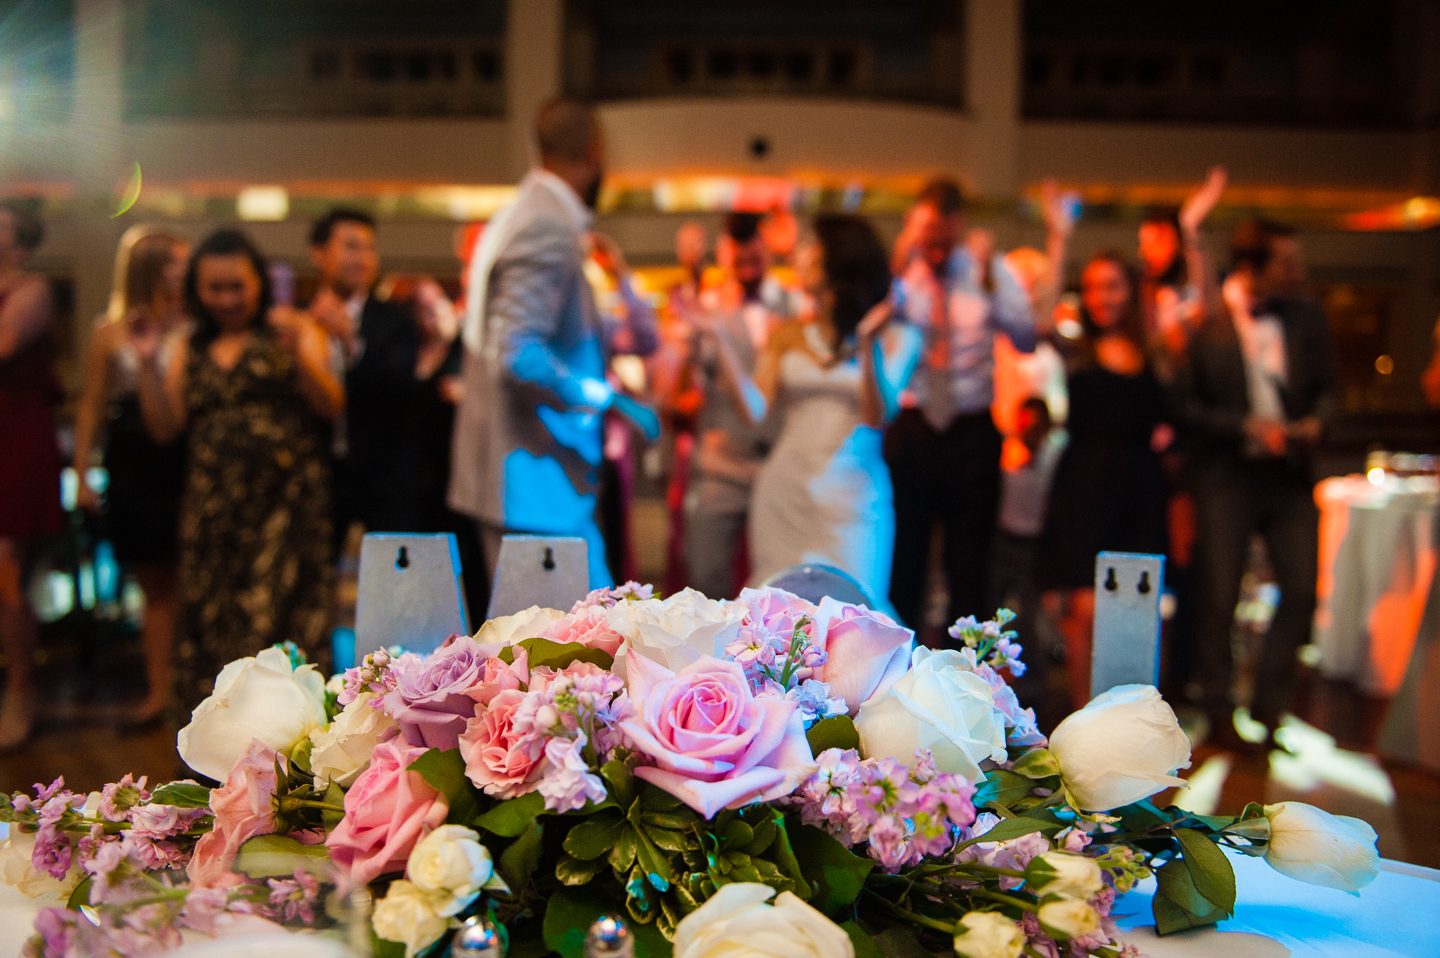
(1056, 208)
(1199, 203)
(874, 321)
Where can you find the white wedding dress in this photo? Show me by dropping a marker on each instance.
(823, 495)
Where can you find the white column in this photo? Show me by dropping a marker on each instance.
(533, 38)
(992, 87)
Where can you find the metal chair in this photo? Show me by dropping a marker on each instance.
(813, 581)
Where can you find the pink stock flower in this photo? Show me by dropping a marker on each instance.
(587, 626)
(244, 807)
(496, 758)
(715, 744)
(568, 781)
(387, 810)
(117, 798)
(158, 822)
(865, 651)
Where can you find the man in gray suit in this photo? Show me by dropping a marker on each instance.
(527, 443)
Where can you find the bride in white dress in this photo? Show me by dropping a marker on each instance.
(823, 495)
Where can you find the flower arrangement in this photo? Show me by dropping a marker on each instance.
(789, 778)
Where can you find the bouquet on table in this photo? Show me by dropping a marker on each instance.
(767, 775)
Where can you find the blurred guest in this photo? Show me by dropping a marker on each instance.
(379, 460)
(781, 231)
(1255, 395)
(944, 450)
(254, 387)
(29, 456)
(730, 449)
(1176, 285)
(824, 495)
(527, 445)
(1109, 491)
(691, 248)
(145, 477)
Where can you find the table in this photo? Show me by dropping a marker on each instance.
(1397, 914)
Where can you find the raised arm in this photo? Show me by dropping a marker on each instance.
(1059, 213)
(889, 354)
(639, 333)
(1196, 208)
(1010, 309)
(319, 385)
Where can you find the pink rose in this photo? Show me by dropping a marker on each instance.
(589, 627)
(866, 651)
(387, 811)
(493, 759)
(244, 807)
(496, 677)
(541, 677)
(715, 744)
(775, 609)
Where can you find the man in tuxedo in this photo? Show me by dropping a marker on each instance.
(528, 433)
(379, 467)
(1255, 394)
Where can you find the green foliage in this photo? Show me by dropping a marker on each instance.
(181, 795)
(445, 772)
(556, 655)
(865, 946)
(1016, 827)
(384, 947)
(277, 856)
(835, 732)
(510, 818)
(571, 911)
(832, 870)
(518, 862)
(335, 798)
(1002, 789)
(1178, 904)
(1210, 870)
(81, 894)
(1037, 763)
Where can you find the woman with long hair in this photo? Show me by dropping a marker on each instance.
(146, 478)
(834, 381)
(29, 455)
(1109, 489)
(253, 386)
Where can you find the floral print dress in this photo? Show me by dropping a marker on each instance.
(255, 562)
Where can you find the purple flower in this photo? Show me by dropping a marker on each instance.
(117, 798)
(429, 701)
(293, 899)
(607, 598)
(568, 782)
(53, 847)
(158, 822)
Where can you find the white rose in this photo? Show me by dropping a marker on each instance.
(989, 934)
(1075, 876)
(18, 871)
(1069, 917)
(1123, 747)
(1312, 845)
(408, 915)
(939, 705)
(452, 866)
(258, 697)
(676, 631)
(341, 750)
(737, 922)
(525, 624)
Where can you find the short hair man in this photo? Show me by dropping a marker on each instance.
(1254, 396)
(943, 449)
(527, 445)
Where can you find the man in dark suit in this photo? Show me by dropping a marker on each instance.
(379, 472)
(1255, 395)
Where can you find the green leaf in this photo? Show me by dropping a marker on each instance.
(835, 732)
(277, 856)
(81, 894)
(1002, 787)
(738, 833)
(571, 911)
(622, 856)
(836, 872)
(1178, 904)
(669, 840)
(1037, 763)
(621, 781)
(519, 861)
(557, 655)
(384, 947)
(865, 946)
(509, 819)
(899, 941)
(1014, 828)
(594, 836)
(334, 795)
(181, 795)
(1210, 870)
(445, 772)
(573, 871)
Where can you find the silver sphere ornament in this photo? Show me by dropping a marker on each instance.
(477, 938)
(609, 937)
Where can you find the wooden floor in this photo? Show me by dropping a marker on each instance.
(86, 692)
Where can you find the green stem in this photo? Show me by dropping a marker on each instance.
(289, 804)
(915, 917)
(1005, 899)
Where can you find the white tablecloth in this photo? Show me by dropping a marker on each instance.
(1377, 567)
(1397, 914)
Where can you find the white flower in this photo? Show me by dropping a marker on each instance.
(939, 705)
(737, 923)
(509, 629)
(452, 866)
(18, 871)
(342, 749)
(260, 698)
(1123, 747)
(410, 916)
(1076, 876)
(677, 631)
(1312, 845)
(1069, 917)
(989, 934)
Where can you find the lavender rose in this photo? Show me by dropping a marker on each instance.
(430, 701)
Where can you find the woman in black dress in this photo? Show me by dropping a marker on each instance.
(1109, 490)
(253, 386)
(143, 497)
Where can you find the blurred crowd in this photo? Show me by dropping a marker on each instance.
(816, 397)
